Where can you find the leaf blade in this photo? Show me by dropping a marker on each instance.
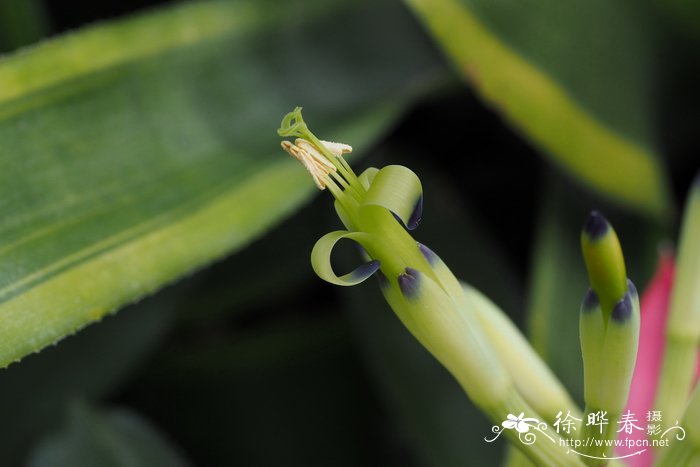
(132, 171)
(619, 162)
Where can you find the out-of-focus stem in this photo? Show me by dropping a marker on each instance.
(683, 328)
(685, 452)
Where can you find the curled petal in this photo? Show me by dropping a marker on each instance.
(367, 177)
(399, 190)
(321, 259)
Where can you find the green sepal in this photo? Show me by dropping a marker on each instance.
(321, 259)
(454, 339)
(399, 190)
(531, 375)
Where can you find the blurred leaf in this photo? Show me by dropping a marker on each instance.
(139, 151)
(118, 438)
(441, 424)
(288, 393)
(559, 281)
(22, 22)
(683, 14)
(241, 284)
(89, 365)
(576, 78)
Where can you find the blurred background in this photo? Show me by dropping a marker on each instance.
(254, 361)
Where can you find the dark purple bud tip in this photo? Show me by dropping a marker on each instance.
(631, 288)
(622, 311)
(416, 215)
(590, 301)
(428, 254)
(596, 225)
(409, 283)
(365, 270)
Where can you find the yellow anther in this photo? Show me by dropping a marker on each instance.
(315, 163)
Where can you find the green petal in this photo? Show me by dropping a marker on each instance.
(367, 177)
(321, 259)
(399, 190)
(452, 337)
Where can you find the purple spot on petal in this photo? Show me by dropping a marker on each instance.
(365, 270)
(416, 215)
(409, 283)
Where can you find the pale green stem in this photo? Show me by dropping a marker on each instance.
(683, 328)
(685, 452)
(593, 432)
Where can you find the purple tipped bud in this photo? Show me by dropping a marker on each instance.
(409, 283)
(590, 301)
(622, 310)
(596, 225)
(631, 288)
(428, 254)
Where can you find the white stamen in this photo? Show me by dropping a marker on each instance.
(337, 149)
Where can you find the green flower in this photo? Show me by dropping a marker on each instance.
(459, 326)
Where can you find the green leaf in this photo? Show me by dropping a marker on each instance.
(91, 365)
(576, 80)
(136, 152)
(117, 438)
(288, 391)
